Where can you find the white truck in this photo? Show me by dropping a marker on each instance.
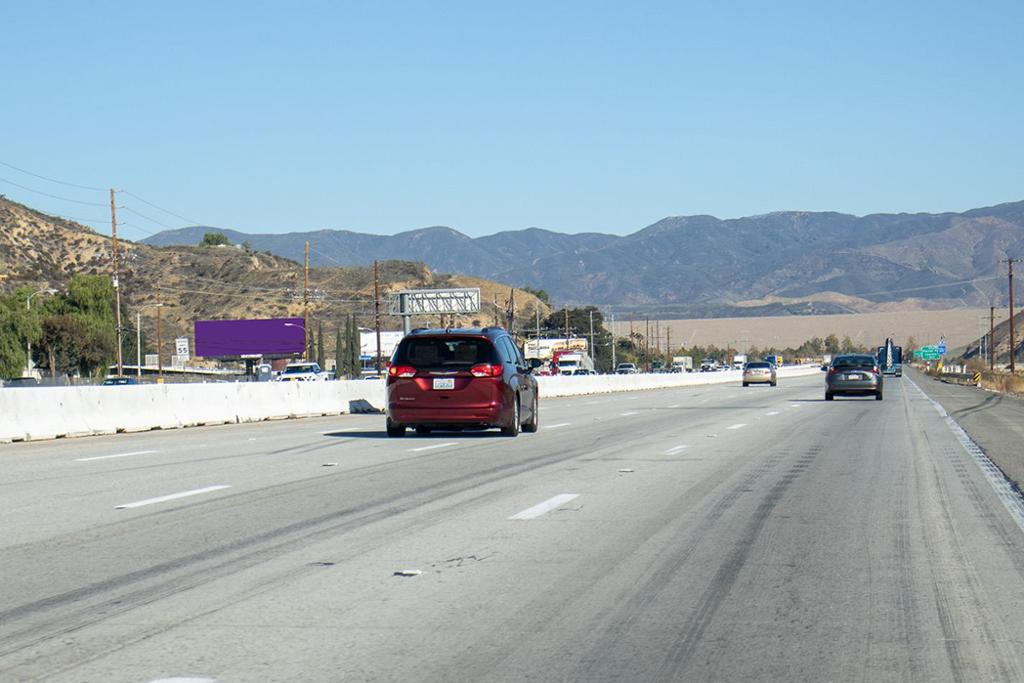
(738, 361)
(575, 364)
(682, 364)
(304, 371)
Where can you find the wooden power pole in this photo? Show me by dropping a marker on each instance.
(159, 337)
(991, 338)
(376, 311)
(305, 308)
(117, 280)
(1013, 349)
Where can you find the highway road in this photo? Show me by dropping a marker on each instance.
(706, 533)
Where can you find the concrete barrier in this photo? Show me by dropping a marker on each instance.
(50, 412)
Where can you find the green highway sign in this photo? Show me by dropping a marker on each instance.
(930, 352)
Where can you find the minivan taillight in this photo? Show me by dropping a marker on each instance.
(402, 371)
(486, 370)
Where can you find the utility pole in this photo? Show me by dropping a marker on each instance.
(376, 310)
(1013, 363)
(668, 340)
(117, 284)
(614, 364)
(593, 354)
(647, 344)
(566, 313)
(991, 338)
(512, 312)
(138, 343)
(305, 308)
(159, 337)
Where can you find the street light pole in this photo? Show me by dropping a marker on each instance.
(28, 342)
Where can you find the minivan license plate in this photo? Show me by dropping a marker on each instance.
(444, 383)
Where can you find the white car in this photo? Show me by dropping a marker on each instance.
(305, 371)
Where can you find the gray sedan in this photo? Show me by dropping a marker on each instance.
(853, 375)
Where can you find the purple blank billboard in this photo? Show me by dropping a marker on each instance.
(261, 337)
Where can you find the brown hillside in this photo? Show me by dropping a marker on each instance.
(197, 283)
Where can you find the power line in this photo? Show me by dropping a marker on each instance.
(142, 215)
(53, 180)
(53, 196)
(160, 208)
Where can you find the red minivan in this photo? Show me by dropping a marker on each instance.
(461, 379)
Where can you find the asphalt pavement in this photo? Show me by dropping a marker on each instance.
(705, 533)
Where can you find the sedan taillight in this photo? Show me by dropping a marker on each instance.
(486, 370)
(402, 371)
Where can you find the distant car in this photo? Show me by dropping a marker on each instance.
(759, 372)
(15, 382)
(853, 375)
(304, 371)
(119, 381)
(625, 369)
(458, 379)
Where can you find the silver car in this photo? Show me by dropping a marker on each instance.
(854, 375)
(759, 372)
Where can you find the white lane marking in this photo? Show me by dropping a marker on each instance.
(592, 403)
(738, 425)
(773, 412)
(630, 398)
(675, 449)
(556, 426)
(335, 431)
(116, 455)
(173, 496)
(675, 406)
(436, 445)
(1002, 486)
(794, 405)
(632, 412)
(547, 506)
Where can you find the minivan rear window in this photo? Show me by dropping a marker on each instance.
(758, 365)
(444, 352)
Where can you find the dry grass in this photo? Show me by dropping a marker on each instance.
(959, 326)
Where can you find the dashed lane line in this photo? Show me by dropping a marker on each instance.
(738, 425)
(433, 446)
(542, 508)
(172, 496)
(115, 455)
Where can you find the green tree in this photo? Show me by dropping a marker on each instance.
(354, 348)
(338, 353)
(539, 293)
(214, 239)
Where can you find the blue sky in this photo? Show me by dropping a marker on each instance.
(382, 117)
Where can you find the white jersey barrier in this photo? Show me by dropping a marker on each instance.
(33, 413)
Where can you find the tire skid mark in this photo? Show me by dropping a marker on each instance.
(728, 572)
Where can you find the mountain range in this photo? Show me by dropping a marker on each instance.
(784, 262)
(195, 283)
